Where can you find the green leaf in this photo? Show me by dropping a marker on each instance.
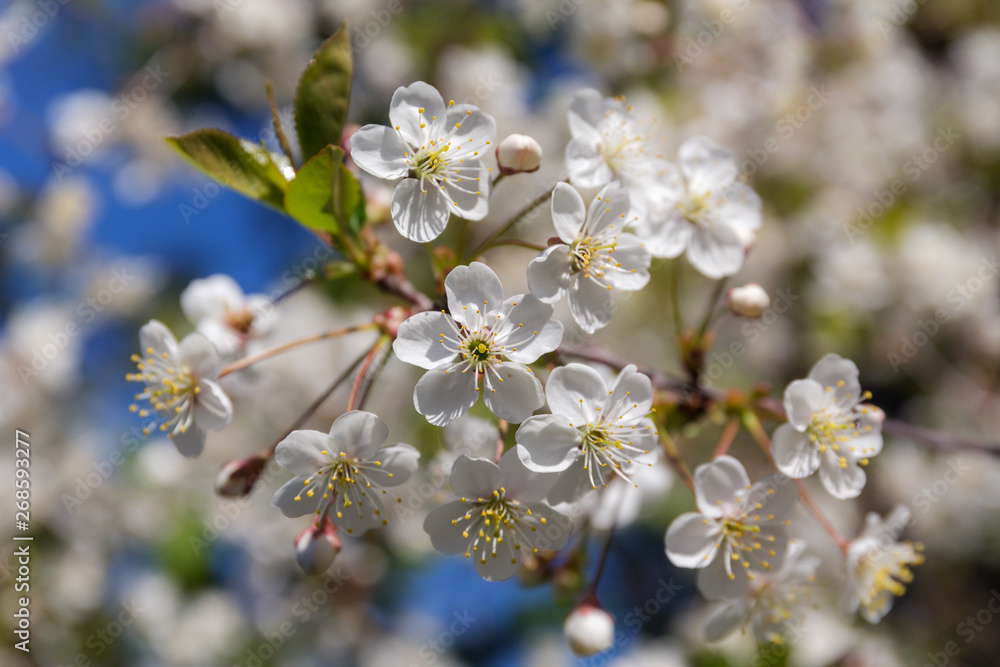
(324, 94)
(325, 195)
(236, 163)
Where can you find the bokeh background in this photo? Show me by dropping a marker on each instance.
(871, 130)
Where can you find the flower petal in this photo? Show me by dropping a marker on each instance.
(632, 392)
(522, 483)
(841, 481)
(590, 304)
(576, 391)
(200, 356)
(666, 238)
(475, 477)
(793, 452)
(707, 167)
(715, 252)
(725, 619)
(557, 527)
(419, 340)
(547, 443)
(776, 496)
(496, 561)
(212, 408)
(610, 208)
(474, 130)
(550, 274)
(568, 212)
(211, 298)
(571, 484)
(692, 540)
(587, 167)
(831, 371)
(633, 260)
(474, 292)
(190, 443)
(358, 434)
(469, 196)
(398, 463)
(380, 151)
(419, 215)
(803, 399)
(156, 336)
(586, 111)
(719, 484)
(534, 333)
(406, 116)
(443, 395)
(446, 536)
(284, 499)
(300, 452)
(515, 394)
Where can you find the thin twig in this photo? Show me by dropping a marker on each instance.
(502, 440)
(591, 593)
(276, 119)
(729, 432)
(352, 402)
(520, 215)
(284, 347)
(674, 457)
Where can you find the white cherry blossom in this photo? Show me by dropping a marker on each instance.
(740, 531)
(219, 309)
(343, 475)
(596, 256)
(499, 518)
(878, 565)
(594, 433)
(828, 428)
(704, 208)
(775, 606)
(180, 388)
(482, 336)
(609, 143)
(437, 151)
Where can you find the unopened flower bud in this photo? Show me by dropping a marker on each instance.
(237, 477)
(518, 153)
(750, 300)
(589, 630)
(316, 547)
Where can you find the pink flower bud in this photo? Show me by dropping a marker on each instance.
(519, 153)
(237, 477)
(589, 630)
(750, 300)
(316, 547)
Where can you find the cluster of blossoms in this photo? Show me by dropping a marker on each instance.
(579, 430)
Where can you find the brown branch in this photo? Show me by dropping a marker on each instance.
(397, 284)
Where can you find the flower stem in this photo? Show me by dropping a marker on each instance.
(591, 594)
(707, 320)
(501, 441)
(490, 240)
(674, 457)
(284, 347)
(755, 428)
(358, 395)
(729, 432)
(315, 405)
(518, 242)
(675, 296)
(496, 180)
